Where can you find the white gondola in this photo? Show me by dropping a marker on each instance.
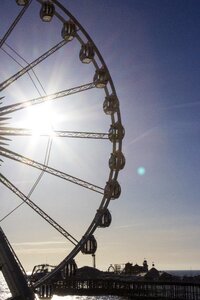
(68, 31)
(47, 11)
(22, 2)
(112, 189)
(117, 161)
(86, 54)
(90, 246)
(100, 78)
(116, 132)
(111, 104)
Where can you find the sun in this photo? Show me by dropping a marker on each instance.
(41, 120)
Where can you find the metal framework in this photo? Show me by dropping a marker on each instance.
(16, 76)
(102, 81)
(17, 157)
(9, 131)
(38, 210)
(22, 105)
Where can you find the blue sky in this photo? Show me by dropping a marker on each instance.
(151, 48)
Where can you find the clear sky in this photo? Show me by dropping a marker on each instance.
(151, 48)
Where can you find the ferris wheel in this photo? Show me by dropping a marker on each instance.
(51, 64)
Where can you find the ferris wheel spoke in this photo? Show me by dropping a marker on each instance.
(29, 74)
(37, 209)
(85, 135)
(19, 16)
(17, 75)
(17, 157)
(10, 131)
(21, 105)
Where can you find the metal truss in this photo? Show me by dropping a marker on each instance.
(10, 80)
(17, 157)
(9, 131)
(10, 29)
(21, 105)
(36, 208)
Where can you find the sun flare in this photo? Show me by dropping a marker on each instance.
(40, 120)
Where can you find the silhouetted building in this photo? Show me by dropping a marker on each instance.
(136, 269)
(152, 274)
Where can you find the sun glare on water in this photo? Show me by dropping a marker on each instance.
(63, 297)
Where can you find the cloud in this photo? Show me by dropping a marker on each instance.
(48, 247)
(143, 135)
(36, 244)
(125, 226)
(183, 105)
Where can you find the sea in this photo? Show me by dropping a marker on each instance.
(5, 293)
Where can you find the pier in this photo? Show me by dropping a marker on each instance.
(105, 283)
(133, 289)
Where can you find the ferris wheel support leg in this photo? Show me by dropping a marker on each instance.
(12, 272)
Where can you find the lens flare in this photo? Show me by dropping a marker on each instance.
(141, 171)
